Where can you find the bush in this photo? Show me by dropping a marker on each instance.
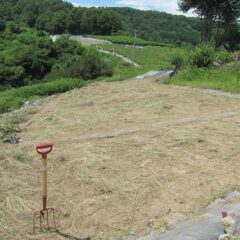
(88, 66)
(203, 56)
(64, 46)
(177, 61)
(224, 56)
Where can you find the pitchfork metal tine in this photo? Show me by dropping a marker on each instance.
(54, 218)
(47, 220)
(40, 218)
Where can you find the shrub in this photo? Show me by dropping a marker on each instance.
(64, 46)
(202, 56)
(88, 66)
(224, 56)
(177, 61)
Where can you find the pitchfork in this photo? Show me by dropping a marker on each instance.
(44, 149)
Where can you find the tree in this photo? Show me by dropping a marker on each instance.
(59, 22)
(65, 46)
(213, 12)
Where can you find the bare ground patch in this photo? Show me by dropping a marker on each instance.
(128, 157)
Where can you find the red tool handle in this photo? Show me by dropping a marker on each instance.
(47, 146)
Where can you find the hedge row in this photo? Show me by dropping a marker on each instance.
(14, 97)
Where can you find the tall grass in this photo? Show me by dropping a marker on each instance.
(225, 79)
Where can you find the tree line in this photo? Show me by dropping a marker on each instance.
(57, 17)
(217, 21)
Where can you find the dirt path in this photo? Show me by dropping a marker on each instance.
(125, 59)
(129, 157)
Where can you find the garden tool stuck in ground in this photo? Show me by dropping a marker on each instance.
(44, 149)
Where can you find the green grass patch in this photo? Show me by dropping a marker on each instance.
(149, 58)
(121, 39)
(225, 79)
(14, 97)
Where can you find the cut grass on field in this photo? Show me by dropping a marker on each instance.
(226, 79)
(128, 158)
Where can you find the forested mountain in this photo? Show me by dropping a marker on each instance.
(160, 26)
(57, 16)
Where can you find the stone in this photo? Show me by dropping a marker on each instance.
(11, 139)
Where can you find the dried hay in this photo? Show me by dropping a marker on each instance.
(105, 185)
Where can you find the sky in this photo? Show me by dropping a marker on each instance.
(169, 6)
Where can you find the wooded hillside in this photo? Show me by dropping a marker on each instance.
(57, 16)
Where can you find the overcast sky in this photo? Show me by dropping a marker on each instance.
(169, 6)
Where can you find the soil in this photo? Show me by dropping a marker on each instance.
(128, 157)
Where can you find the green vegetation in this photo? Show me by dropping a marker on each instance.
(200, 71)
(202, 56)
(28, 55)
(57, 17)
(122, 39)
(209, 67)
(160, 26)
(57, 81)
(14, 97)
(219, 20)
(149, 58)
(33, 65)
(215, 78)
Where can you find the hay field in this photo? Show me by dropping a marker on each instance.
(128, 157)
